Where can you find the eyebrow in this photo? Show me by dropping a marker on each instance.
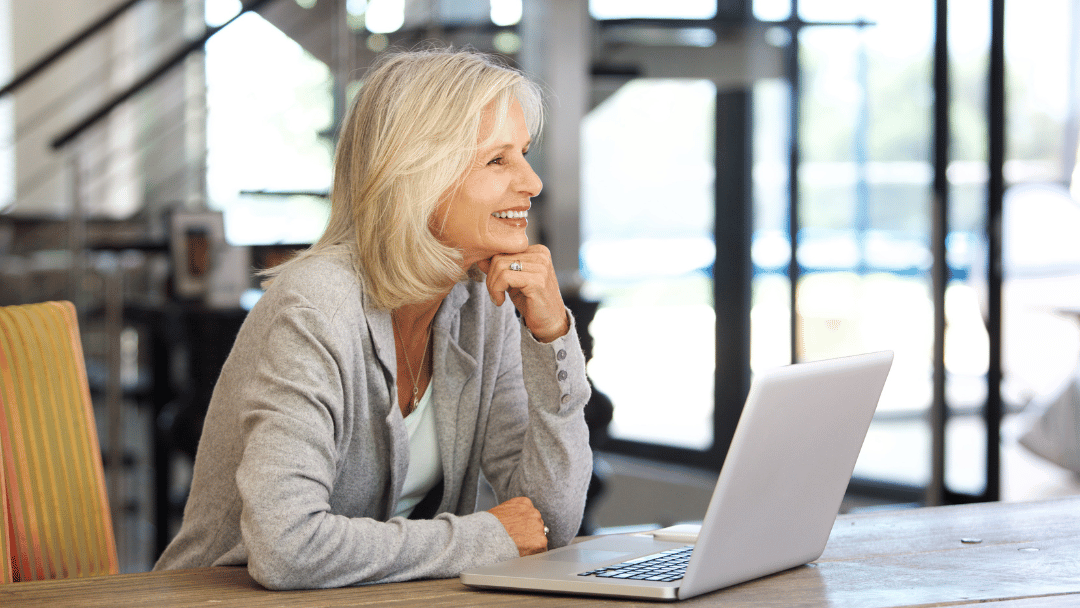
(506, 146)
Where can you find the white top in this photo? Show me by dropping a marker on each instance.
(425, 463)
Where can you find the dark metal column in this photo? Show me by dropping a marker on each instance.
(935, 491)
(996, 192)
(732, 271)
(793, 74)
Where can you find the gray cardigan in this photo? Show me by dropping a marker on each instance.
(304, 450)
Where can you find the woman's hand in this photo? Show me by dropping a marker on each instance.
(534, 289)
(524, 524)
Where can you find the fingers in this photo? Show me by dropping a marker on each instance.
(530, 281)
(523, 523)
(519, 271)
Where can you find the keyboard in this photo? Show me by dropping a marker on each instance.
(665, 566)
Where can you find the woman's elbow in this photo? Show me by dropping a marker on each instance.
(277, 572)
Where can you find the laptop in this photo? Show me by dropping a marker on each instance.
(773, 507)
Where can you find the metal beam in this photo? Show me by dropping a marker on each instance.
(996, 193)
(935, 490)
(732, 63)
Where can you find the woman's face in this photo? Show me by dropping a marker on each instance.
(488, 213)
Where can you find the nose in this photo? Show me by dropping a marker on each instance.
(529, 182)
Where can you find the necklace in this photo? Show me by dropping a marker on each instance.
(415, 379)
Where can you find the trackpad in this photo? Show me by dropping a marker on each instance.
(585, 556)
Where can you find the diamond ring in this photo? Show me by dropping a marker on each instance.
(515, 265)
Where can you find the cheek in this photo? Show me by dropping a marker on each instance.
(491, 187)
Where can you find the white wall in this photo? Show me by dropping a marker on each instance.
(139, 151)
(53, 101)
(7, 111)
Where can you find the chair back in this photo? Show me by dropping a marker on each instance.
(6, 552)
(57, 521)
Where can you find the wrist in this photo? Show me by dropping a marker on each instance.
(549, 335)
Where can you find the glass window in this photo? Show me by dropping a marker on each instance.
(1041, 261)
(646, 256)
(832, 10)
(772, 10)
(864, 216)
(770, 251)
(268, 102)
(672, 9)
(864, 238)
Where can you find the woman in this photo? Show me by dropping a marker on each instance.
(375, 380)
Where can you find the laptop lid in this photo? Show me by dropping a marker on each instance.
(786, 470)
(775, 500)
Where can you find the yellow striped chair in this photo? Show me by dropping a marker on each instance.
(56, 511)
(5, 544)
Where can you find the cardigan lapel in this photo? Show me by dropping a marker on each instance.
(381, 330)
(455, 396)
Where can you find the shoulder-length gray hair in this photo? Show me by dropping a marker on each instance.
(408, 140)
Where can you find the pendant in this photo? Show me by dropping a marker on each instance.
(415, 402)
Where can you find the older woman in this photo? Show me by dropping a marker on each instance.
(382, 374)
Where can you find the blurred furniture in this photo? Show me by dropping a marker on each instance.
(1052, 420)
(188, 343)
(57, 508)
(1016, 554)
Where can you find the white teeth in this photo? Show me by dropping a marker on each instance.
(511, 214)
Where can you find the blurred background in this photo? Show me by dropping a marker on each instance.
(730, 185)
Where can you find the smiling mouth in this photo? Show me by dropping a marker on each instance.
(511, 215)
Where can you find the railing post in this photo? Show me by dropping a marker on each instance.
(77, 234)
(342, 52)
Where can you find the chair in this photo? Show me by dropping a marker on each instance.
(5, 547)
(56, 520)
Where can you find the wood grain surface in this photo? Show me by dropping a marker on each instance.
(1015, 555)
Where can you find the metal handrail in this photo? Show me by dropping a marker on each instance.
(65, 48)
(163, 68)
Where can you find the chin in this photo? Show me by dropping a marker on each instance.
(517, 245)
(510, 246)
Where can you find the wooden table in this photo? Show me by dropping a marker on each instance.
(1027, 556)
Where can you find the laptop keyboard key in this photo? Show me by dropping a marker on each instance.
(665, 566)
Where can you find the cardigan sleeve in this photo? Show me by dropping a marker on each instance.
(298, 403)
(537, 442)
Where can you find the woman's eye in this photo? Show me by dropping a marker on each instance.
(496, 161)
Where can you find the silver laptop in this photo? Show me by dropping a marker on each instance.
(773, 507)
